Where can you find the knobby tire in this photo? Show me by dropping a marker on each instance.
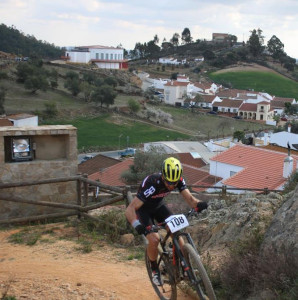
(203, 284)
(169, 290)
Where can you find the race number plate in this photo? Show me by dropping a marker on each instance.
(176, 222)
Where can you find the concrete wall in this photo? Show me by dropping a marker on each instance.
(54, 156)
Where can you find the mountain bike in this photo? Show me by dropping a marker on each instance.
(178, 264)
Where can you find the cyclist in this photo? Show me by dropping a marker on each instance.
(148, 205)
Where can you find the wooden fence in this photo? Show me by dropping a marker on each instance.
(82, 205)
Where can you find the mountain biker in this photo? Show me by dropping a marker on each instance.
(148, 205)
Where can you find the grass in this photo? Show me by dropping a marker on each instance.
(268, 82)
(106, 133)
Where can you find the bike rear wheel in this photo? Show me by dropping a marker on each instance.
(202, 283)
(168, 291)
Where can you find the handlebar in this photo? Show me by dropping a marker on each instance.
(162, 225)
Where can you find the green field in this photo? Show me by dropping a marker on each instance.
(105, 134)
(271, 83)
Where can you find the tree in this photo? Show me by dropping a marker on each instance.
(35, 83)
(290, 109)
(256, 41)
(186, 36)
(208, 54)
(275, 47)
(53, 77)
(111, 81)
(133, 105)
(87, 89)
(175, 39)
(144, 163)
(73, 85)
(104, 94)
(51, 110)
(156, 39)
(239, 135)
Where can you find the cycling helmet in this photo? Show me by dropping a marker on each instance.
(171, 169)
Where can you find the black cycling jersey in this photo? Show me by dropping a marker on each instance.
(153, 190)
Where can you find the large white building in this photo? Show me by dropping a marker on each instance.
(102, 56)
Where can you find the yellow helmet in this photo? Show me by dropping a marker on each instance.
(171, 169)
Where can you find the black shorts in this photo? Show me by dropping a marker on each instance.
(147, 217)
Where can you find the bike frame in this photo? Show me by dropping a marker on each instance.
(177, 253)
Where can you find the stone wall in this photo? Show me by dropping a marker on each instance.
(54, 151)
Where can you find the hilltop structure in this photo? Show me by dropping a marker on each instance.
(102, 56)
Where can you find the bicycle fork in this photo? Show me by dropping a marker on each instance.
(186, 269)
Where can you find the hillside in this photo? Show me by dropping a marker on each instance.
(18, 43)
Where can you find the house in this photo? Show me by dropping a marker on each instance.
(227, 105)
(256, 111)
(196, 149)
(285, 139)
(250, 167)
(96, 164)
(219, 37)
(102, 56)
(175, 92)
(169, 61)
(207, 88)
(112, 175)
(206, 101)
(23, 120)
(278, 104)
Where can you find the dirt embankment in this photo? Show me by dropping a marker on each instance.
(51, 271)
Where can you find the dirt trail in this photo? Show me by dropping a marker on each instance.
(56, 271)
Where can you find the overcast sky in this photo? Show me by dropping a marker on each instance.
(114, 22)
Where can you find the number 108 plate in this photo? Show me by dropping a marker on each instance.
(176, 222)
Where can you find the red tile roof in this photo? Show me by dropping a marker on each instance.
(5, 122)
(228, 103)
(283, 99)
(188, 159)
(111, 175)
(97, 163)
(261, 168)
(248, 107)
(208, 98)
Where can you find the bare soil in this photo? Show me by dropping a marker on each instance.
(56, 270)
(246, 67)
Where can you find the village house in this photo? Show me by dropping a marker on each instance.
(250, 167)
(261, 111)
(102, 56)
(175, 92)
(19, 120)
(227, 106)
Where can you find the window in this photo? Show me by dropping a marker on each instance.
(97, 55)
(111, 56)
(101, 56)
(107, 56)
(18, 148)
(232, 173)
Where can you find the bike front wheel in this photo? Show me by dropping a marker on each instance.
(168, 291)
(200, 281)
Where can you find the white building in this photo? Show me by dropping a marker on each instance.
(103, 57)
(23, 120)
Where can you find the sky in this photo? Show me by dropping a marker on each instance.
(115, 22)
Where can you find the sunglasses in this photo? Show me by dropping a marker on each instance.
(171, 183)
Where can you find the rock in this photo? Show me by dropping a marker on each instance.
(127, 239)
(282, 233)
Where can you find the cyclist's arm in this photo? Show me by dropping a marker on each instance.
(130, 211)
(189, 198)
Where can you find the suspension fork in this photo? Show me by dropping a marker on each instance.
(176, 246)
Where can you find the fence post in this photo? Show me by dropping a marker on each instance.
(266, 191)
(79, 195)
(224, 190)
(85, 200)
(127, 199)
